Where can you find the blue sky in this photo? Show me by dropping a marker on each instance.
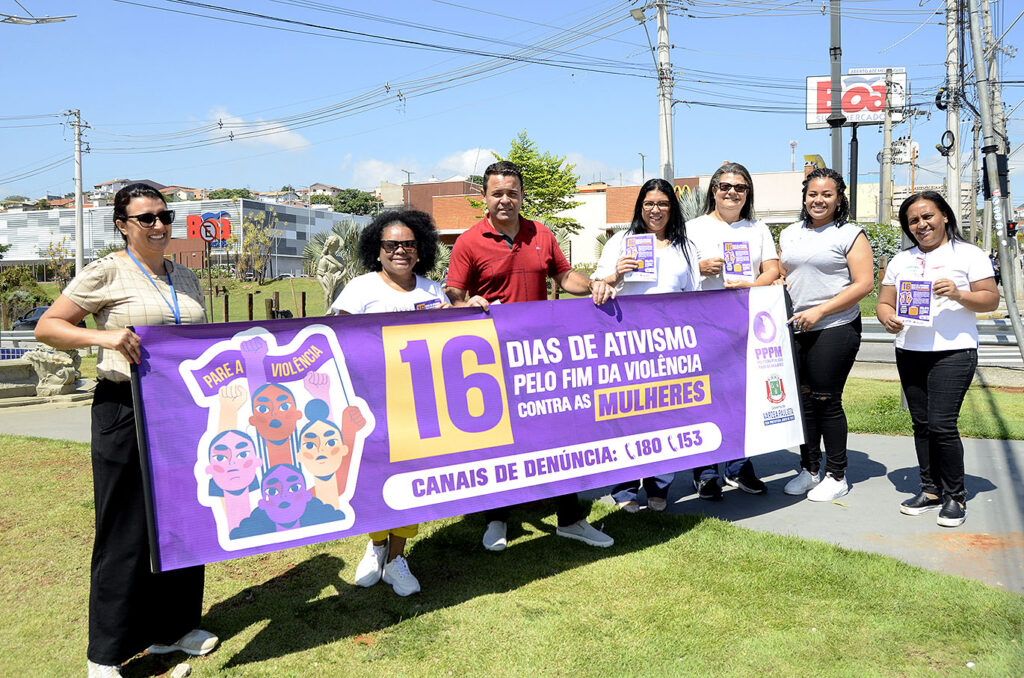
(318, 105)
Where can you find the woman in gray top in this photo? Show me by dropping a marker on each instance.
(827, 265)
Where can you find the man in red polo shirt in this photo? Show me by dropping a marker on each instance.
(507, 258)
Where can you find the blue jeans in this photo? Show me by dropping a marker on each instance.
(935, 383)
(732, 469)
(656, 486)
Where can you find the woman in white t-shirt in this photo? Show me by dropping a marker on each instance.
(734, 251)
(397, 248)
(657, 213)
(929, 298)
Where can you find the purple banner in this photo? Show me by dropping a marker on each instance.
(263, 436)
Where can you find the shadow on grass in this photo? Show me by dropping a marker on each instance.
(297, 614)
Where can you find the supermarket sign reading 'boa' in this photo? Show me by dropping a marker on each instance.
(263, 436)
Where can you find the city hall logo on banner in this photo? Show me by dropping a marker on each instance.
(778, 415)
(776, 393)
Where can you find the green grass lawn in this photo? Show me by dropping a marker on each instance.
(676, 595)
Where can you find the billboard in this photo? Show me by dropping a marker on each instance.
(863, 98)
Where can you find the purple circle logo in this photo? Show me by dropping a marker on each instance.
(764, 327)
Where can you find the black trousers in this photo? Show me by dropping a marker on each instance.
(824, 359)
(130, 607)
(935, 383)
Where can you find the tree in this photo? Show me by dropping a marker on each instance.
(321, 199)
(475, 179)
(232, 193)
(354, 201)
(15, 198)
(259, 230)
(3, 250)
(548, 182)
(110, 247)
(287, 188)
(60, 261)
(42, 204)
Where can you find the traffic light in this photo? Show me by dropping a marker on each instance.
(1011, 229)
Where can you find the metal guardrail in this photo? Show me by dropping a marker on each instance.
(995, 332)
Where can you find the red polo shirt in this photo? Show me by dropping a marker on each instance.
(482, 263)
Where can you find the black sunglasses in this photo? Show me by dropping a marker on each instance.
(391, 245)
(148, 220)
(739, 188)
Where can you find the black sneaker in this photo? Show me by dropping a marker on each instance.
(747, 480)
(708, 488)
(922, 503)
(953, 513)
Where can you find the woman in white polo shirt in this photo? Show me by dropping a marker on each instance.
(929, 298)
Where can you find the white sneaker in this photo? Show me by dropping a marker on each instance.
(103, 670)
(401, 579)
(828, 489)
(196, 643)
(802, 483)
(371, 567)
(494, 536)
(586, 533)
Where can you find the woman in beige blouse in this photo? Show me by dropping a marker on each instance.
(130, 607)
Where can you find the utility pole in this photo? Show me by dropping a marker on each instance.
(986, 241)
(991, 168)
(854, 151)
(885, 190)
(953, 104)
(665, 84)
(999, 129)
(408, 187)
(836, 117)
(79, 218)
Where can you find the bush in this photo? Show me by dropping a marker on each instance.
(886, 240)
(20, 292)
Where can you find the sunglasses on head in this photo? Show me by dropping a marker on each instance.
(148, 219)
(391, 245)
(739, 188)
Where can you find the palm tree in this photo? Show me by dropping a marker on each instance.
(348, 252)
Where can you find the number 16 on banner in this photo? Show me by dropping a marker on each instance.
(445, 389)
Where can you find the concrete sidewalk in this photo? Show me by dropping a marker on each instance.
(883, 472)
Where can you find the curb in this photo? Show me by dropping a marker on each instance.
(82, 394)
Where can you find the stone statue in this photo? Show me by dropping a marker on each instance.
(330, 271)
(57, 371)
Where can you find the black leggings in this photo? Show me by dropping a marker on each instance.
(130, 607)
(824, 359)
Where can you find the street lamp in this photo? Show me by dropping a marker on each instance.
(643, 166)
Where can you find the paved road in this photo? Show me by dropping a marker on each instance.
(988, 356)
(988, 547)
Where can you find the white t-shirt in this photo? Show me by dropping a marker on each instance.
(369, 293)
(953, 326)
(709, 236)
(674, 273)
